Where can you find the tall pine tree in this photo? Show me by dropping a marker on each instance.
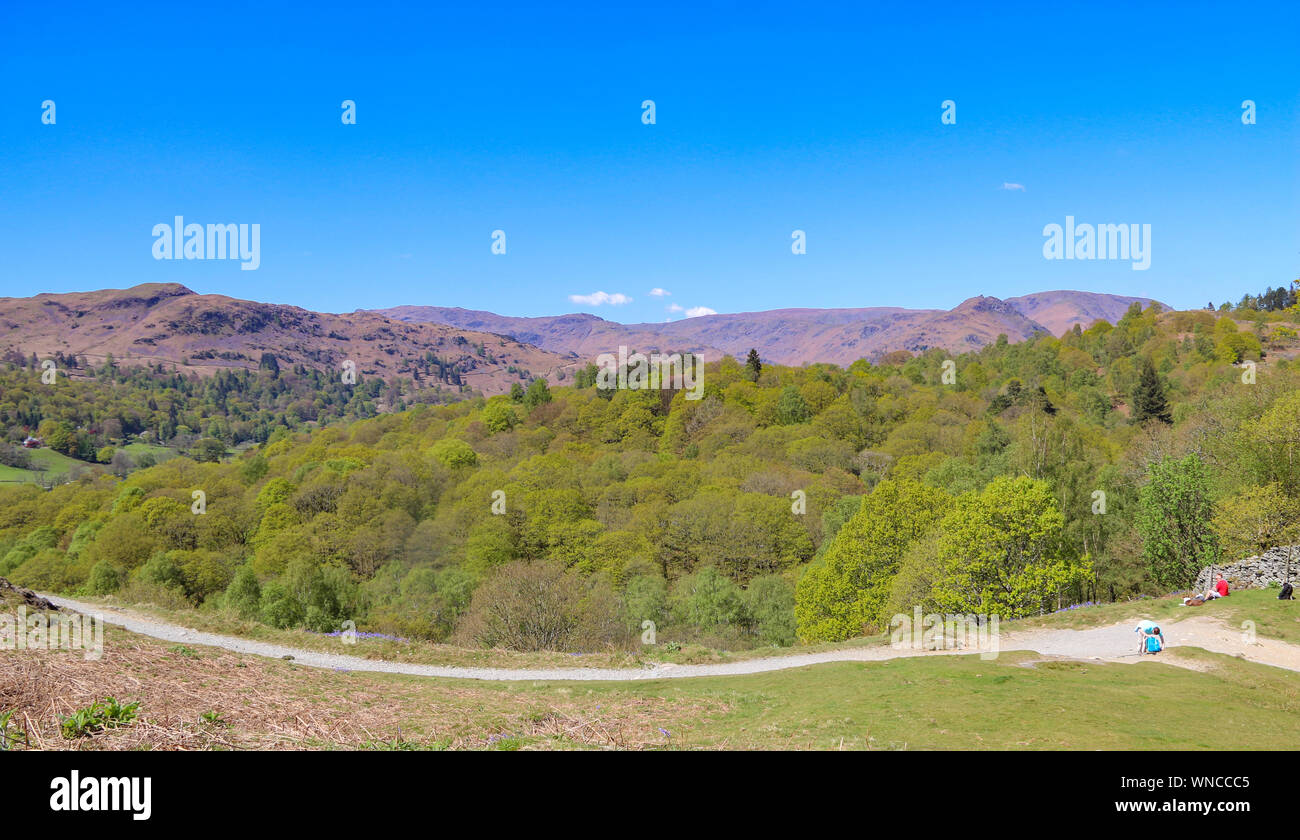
(753, 366)
(1149, 402)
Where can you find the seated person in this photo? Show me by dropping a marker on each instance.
(1144, 629)
(1153, 641)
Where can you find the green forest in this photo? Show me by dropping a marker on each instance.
(93, 413)
(787, 505)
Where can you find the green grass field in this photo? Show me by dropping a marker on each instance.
(1014, 702)
(135, 450)
(56, 467)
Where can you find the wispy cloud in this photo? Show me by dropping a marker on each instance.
(601, 298)
(697, 311)
(1007, 185)
(658, 292)
(675, 307)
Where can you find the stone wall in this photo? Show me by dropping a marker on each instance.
(1254, 572)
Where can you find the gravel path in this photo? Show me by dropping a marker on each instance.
(1115, 643)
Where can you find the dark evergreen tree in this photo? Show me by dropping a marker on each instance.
(753, 365)
(1149, 402)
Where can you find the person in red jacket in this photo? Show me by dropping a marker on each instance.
(1221, 586)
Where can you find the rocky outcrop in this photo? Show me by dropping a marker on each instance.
(1268, 569)
(9, 592)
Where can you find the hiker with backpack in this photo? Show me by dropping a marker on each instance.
(1150, 639)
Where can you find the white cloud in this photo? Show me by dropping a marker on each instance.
(675, 307)
(1007, 185)
(601, 298)
(658, 292)
(697, 311)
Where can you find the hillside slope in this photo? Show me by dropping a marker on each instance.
(168, 324)
(1059, 311)
(796, 336)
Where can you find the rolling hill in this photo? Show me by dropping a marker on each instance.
(795, 336)
(168, 324)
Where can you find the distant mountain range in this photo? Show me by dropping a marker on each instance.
(796, 336)
(168, 324)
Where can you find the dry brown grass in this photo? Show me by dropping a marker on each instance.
(269, 704)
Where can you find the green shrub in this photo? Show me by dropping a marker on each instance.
(540, 606)
(244, 595)
(108, 714)
(280, 608)
(104, 579)
(769, 601)
(10, 732)
(453, 453)
(161, 570)
(645, 598)
(51, 570)
(709, 600)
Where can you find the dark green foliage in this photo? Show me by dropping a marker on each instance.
(791, 408)
(1149, 402)
(104, 579)
(244, 595)
(769, 601)
(537, 394)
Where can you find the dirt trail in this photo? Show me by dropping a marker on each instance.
(1116, 643)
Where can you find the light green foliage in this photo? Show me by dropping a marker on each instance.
(1274, 443)
(1174, 519)
(875, 487)
(499, 415)
(997, 552)
(453, 453)
(844, 593)
(1258, 518)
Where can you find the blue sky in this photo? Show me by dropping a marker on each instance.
(769, 118)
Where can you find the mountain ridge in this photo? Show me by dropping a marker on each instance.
(799, 335)
(170, 324)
